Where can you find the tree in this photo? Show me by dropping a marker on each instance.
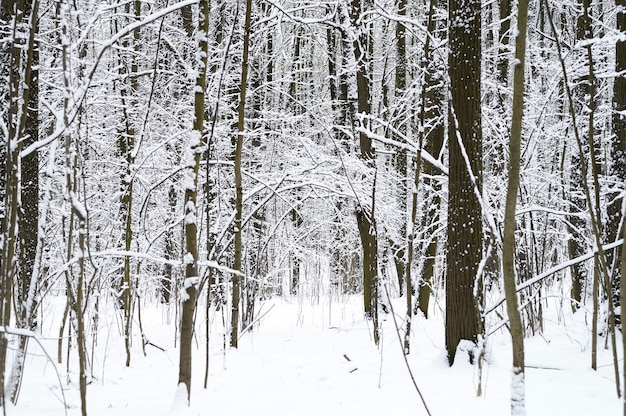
(433, 99)
(197, 142)
(464, 232)
(401, 158)
(28, 217)
(365, 212)
(618, 157)
(577, 205)
(518, 405)
(19, 20)
(127, 150)
(241, 111)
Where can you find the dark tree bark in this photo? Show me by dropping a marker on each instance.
(237, 263)
(29, 214)
(28, 218)
(190, 287)
(18, 55)
(503, 50)
(464, 232)
(365, 212)
(618, 153)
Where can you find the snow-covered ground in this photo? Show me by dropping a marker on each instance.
(296, 362)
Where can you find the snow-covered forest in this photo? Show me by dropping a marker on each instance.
(275, 207)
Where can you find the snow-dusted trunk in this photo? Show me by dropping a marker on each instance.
(518, 395)
(30, 306)
(197, 142)
(29, 218)
(465, 231)
(30, 245)
(18, 52)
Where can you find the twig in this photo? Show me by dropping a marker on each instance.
(31, 334)
(246, 329)
(154, 345)
(406, 361)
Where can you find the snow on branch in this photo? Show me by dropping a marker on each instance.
(555, 269)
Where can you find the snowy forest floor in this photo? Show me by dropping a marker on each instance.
(294, 362)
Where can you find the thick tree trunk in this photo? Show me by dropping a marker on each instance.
(15, 112)
(465, 234)
(29, 214)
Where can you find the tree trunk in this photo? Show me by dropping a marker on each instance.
(197, 142)
(168, 281)
(16, 114)
(503, 50)
(433, 110)
(576, 222)
(623, 288)
(518, 401)
(365, 214)
(464, 232)
(237, 264)
(127, 151)
(618, 156)
(401, 156)
(29, 215)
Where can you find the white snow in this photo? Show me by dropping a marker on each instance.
(319, 359)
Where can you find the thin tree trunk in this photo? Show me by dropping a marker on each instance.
(197, 142)
(433, 105)
(365, 213)
(518, 400)
(401, 157)
(127, 150)
(503, 44)
(77, 214)
(416, 182)
(237, 264)
(623, 293)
